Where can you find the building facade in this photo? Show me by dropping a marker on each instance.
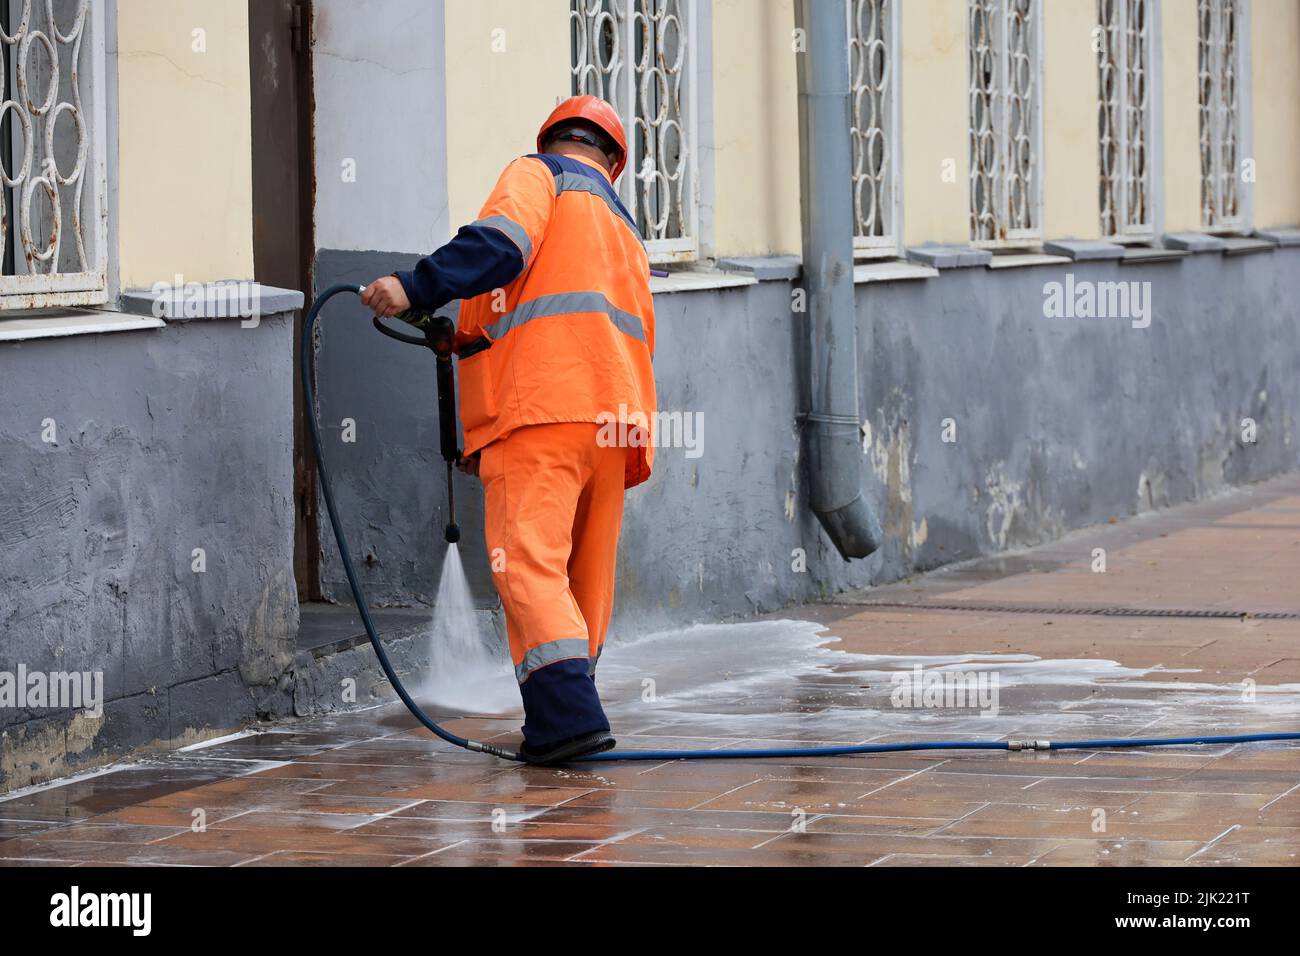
(1074, 259)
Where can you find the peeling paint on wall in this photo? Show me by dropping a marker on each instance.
(1002, 495)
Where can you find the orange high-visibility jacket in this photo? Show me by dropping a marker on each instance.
(572, 337)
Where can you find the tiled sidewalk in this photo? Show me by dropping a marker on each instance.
(370, 788)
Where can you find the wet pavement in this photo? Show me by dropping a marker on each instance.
(1193, 628)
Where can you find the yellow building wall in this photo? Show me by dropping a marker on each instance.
(507, 64)
(185, 142)
(936, 161)
(1275, 73)
(1071, 162)
(1182, 117)
(756, 129)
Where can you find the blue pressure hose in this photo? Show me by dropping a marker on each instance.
(309, 399)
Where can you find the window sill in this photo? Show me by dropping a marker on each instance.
(212, 301)
(1143, 255)
(1196, 242)
(693, 280)
(1282, 238)
(1246, 246)
(891, 271)
(1022, 260)
(60, 323)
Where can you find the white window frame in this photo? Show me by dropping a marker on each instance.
(31, 288)
(1220, 117)
(999, 208)
(616, 82)
(1126, 125)
(889, 243)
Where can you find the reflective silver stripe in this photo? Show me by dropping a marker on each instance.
(550, 652)
(577, 182)
(515, 232)
(591, 664)
(566, 303)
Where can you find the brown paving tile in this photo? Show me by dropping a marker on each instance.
(91, 832)
(1108, 851)
(61, 864)
(1284, 810)
(1235, 854)
(843, 823)
(287, 820)
(504, 853)
(151, 815)
(1001, 820)
(838, 798)
(628, 818)
(642, 799)
(656, 848)
(13, 829)
(1223, 809)
(295, 858)
(504, 793)
(104, 853)
(919, 859)
(487, 829)
(262, 840)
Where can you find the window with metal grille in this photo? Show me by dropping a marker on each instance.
(1124, 76)
(1218, 70)
(873, 79)
(637, 55)
(1006, 71)
(53, 172)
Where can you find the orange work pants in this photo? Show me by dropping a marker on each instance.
(554, 508)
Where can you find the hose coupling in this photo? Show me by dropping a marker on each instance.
(1029, 745)
(481, 748)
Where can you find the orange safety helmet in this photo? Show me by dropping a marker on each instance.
(598, 113)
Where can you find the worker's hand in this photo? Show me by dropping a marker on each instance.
(385, 297)
(469, 466)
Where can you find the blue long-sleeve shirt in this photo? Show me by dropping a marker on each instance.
(478, 259)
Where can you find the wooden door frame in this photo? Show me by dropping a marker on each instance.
(275, 262)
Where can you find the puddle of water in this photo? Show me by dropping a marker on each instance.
(769, 678)
(785, 679)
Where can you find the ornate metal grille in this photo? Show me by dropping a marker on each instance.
(873, 78)
(653, 90)
(1220, 128)
(53, 195)
(1124, 119)
(1005, 54)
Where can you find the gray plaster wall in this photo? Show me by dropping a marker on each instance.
(390, 482)
(167, 440)
(1059, 423)
(382, 185)
(380, 124)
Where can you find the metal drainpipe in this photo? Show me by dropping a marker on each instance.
(826, 204)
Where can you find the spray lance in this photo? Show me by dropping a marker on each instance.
(439, 337)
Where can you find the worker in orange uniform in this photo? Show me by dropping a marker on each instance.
(555, 333)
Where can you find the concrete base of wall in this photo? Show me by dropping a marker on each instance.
(346, 675)
(146, 537)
